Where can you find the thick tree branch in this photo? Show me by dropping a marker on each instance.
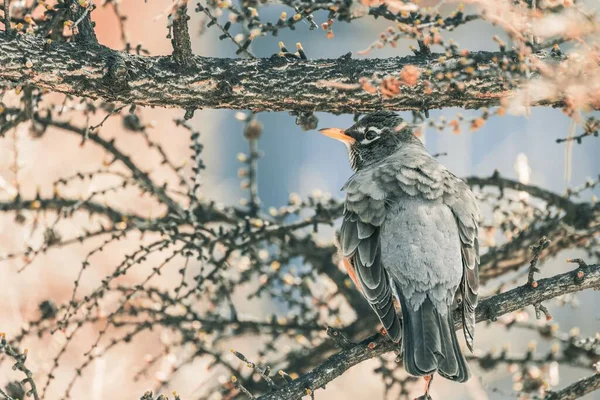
(272, 84)
(577, 389)
(489, 309)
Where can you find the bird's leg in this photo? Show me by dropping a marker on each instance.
(428, 380)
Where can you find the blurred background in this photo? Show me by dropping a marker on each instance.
(294, 161)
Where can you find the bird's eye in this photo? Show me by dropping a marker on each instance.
(371, 135)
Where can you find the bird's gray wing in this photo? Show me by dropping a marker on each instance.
(464, 206)
(360, 243)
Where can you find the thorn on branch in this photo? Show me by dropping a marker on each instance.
(339, 338)
(578, 261)
(346, 57)
(189, 114)
(580, 272)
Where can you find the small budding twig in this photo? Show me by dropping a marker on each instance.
(263, 373)
(242, 48)
(539, 309)
(241, 388)
(150, 396)
(533, 269)
(537, 251)
(6, 396)
(286, 376)
(20, 359)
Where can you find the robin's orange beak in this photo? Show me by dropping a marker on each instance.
(338, 134)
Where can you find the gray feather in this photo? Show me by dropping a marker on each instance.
(360, 242)
(367, 250)
(429, 343)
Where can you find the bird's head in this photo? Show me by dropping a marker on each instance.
(373, 138)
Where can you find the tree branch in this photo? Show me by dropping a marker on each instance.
(272, 84)
(58, 204)
(6, 8)
(489, 309)
(110, 147)
(504, 183)
(182, 46)
(80, 17)
(577, 389)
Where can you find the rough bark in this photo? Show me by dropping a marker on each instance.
(269, 84)
(182, 46)
(577, 389)
(85, 26)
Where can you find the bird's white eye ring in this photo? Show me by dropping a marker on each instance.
(371, 135)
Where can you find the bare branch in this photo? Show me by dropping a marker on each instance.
(274, 84)
(182, 47)
(577, 389)
(79, 12)
(6, 21)
(504, 183)
(109, 146)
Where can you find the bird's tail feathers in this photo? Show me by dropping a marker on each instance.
(430, 344)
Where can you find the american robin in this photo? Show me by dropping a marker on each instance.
(410, 231)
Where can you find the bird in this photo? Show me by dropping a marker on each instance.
(410, 233)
